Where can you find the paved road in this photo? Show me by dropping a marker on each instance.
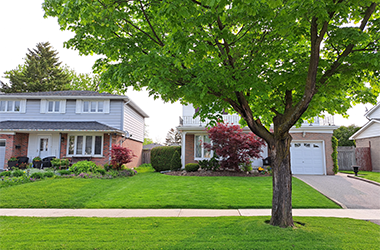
(352, 193)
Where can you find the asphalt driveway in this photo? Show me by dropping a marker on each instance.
(351, 193)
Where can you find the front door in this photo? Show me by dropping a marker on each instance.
(44, 146)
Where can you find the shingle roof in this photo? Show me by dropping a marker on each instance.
(65, 93)
(152, 145)
(55, 126)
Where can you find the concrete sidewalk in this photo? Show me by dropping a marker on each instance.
(360, 214)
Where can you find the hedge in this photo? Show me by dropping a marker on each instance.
(162, 157)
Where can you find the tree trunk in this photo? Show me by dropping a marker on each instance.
(282, 182)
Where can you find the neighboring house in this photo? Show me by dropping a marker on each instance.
(310, 150)
(368, 141)
(69, 124)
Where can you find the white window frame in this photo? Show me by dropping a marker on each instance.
(22, 104)
(90, 104)
(84, 145)
(203, 150)
(44, 106)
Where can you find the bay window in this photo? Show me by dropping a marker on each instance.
(85, 145)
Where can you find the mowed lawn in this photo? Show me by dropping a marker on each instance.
(154, 190)
(373, 176)
(186, 233)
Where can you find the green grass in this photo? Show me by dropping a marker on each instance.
(185, 233)
(154, 190)
(373, 176)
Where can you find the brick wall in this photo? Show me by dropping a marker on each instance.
(9, 147)
(189, 155)
(136, 147)
(326, 137)
(374, 144)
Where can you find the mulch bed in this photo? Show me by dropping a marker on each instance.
(216, 173)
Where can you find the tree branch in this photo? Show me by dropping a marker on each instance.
(150, 25)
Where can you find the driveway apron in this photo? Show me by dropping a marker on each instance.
(352, 193)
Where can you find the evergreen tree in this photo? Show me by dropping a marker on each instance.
(41, 72)
(173, 137)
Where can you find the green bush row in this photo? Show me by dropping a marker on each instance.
(166, 158)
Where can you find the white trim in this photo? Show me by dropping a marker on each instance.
(372, 110)
(203, 149)
(84, 135)
(7, 133)
(368, 124)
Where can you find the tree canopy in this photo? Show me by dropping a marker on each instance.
(273, 62)
(41, 72)
(344, 133)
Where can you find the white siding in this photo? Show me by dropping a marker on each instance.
(33, 113)
(133, 123)
(371, 131)
(375, 114)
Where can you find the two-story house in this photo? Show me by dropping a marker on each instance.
(368, 138)
(69, 124)
(310, 150)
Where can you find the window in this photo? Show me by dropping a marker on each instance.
(200, 151)
(93, 106)
(10, 106)
(53, 106)
(85, 145)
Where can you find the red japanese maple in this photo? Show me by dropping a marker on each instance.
(120, 156)
(233, 145)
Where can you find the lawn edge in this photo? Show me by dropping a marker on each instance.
(363, 179)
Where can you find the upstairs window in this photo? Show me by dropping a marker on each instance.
(92, 106)
(12, 106)
(53, 106)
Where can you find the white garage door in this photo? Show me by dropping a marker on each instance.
(307, 157)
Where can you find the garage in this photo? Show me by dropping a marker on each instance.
(307, 157)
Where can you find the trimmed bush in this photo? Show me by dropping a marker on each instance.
(161, 157)
(18, 173)
(64, 172)
(37, 175)
(49, 174)
(6, 173)
(175, 163)
(84, 167)
(192, 167)
(101, 171)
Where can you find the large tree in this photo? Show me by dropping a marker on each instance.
(273, 62)
(41, 72)
(344, 133)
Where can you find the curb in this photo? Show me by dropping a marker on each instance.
(362, 179)
(331, 199)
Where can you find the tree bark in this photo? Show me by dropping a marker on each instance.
(282, 182)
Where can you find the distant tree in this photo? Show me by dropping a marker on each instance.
(173, 137)
(344, 133)
(233, 146)
(147, 141)
(41, 72)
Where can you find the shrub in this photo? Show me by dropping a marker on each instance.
(48, 174)
(64, 172)
(6, 173)
(334, 154)
(102, 171)
(192, 167)
(234, 146)
(83, 167)
(120, 156)
(37, 175)
(60, 163)
(161, 157)
(107, 167)
(175, 162)
(212, 164)
(126, 172)
(18, 173)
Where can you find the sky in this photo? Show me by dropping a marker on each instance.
(22, 26)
